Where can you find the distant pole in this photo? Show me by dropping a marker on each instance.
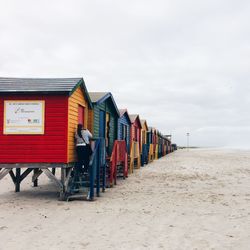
(188, 134)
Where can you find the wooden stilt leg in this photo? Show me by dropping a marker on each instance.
(37, 173)
(18, 180)
(98, 178)
(35, 182)
(4, 172)
(54, 171)
(63, 179)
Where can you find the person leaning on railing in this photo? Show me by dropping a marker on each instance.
(83, 148)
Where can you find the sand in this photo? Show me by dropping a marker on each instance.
(188, 200)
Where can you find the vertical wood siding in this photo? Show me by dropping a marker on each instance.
(149, 137)
(48, 148)
(113, 123)
(136, 132)
(106, 106)
(124, 121)
(76, 99)
(90, 121)
(144, 134)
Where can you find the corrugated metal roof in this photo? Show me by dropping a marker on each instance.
(15, 85)
(97, 96)
(100, 97)
(143, 121)
(133, 117)
(123, 112)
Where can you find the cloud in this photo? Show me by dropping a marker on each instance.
(182, 65)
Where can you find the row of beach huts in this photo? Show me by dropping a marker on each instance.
(38, 121)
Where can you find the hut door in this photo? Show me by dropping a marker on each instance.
(107, 130)
(124, 131)
(125, 136)
(81, 115)
(143, 137)
(102, 124)
(136, 134)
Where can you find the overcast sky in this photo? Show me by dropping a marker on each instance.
(182, 65)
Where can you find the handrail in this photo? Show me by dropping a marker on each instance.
(96, 163)
(95, 151)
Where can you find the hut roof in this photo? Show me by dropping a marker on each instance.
(144, 122)
(100, 97)
(133, 118)
(152, 128)
(43, 85)
(123, 112)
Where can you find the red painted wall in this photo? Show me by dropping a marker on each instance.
(136, 136)
(48, 148)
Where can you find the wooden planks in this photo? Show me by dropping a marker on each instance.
(47, 148)
(76, 99)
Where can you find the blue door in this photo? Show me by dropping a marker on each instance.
(102, 124)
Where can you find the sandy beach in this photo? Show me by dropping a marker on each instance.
(187, 200)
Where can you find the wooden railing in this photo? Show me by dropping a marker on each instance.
(119, 157)
(97, 166)
(135, 157)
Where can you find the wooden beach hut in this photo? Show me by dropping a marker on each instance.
(155, 142)
(168, 143)
(165, 145)
(150, 144)
(144, 145)
(135, 142)
(121, 147)
(160, 144)
(124, 127)
(103, 118)
(103, 121)
(38, 120)
(174, 147)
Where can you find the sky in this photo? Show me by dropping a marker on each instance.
(184, 66)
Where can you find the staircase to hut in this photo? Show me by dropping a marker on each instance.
(83, 185)
(79, 187)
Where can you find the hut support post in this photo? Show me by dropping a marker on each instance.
(65, 177)
(103, 164)
(37, 173)
(92, 181)
(49, 174)
(54, 171)
(103, 178)
(12, 175)
(4, 172)
(98, 179)
(18, 180)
